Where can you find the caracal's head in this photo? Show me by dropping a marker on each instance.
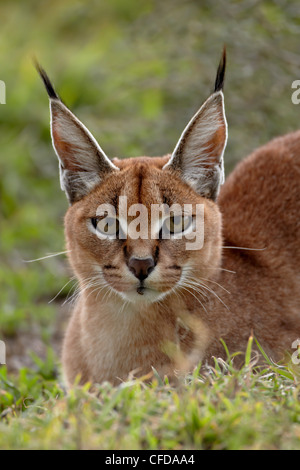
(141, 227)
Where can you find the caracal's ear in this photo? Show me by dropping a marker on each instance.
(82, 162)
(198, 155)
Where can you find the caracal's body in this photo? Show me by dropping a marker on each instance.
(151, 302)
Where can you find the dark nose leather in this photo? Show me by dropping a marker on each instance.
(141, 267)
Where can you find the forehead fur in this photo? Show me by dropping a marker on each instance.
(142, 180)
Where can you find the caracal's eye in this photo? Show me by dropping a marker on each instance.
(177, 224)
(109, 226)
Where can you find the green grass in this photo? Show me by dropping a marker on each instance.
(221, 408)
(134, 72)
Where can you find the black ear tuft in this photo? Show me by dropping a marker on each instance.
(48, 85)
(219, 83)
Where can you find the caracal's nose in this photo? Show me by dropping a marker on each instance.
(141, 267)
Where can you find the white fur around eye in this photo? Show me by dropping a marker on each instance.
(98, 234)
(122, 230)
(189, 228)
(167, 234)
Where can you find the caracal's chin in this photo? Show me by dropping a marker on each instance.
(143, 296)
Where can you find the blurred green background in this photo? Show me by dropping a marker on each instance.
(134, 72)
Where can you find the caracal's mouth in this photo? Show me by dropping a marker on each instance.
(143, 294)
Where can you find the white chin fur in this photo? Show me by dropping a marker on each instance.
(149, 296)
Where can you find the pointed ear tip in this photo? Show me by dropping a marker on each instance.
(220, 78)
(46, 80)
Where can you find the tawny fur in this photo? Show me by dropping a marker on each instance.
(243, 281)
(260, 208)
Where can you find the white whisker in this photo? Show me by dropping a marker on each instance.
(72, 279)
(51, 255)
(186, 289)
(195, 282)
(244, 248)
(216, 295)
(221, 269)
(210, 280)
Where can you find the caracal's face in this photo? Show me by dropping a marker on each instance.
(146, 226)
(143, 233)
